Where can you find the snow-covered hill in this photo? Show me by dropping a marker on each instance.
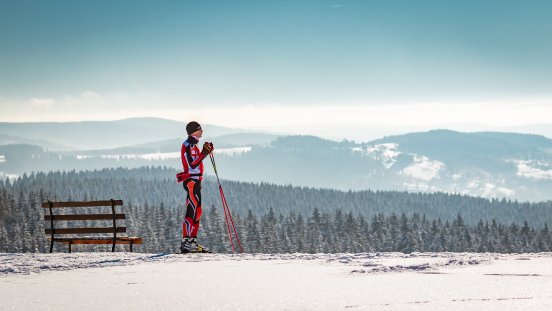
(365, 281)
(492, 165)
(488, 164)
(88, 135)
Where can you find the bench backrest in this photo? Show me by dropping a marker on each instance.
(83, 230)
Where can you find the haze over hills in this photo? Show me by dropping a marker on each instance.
(89, 135)
(540, 129)
(48, 145)
(168, 146)
(154, 132)
(483, 164)
(489, 164)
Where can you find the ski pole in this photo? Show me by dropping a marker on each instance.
(232, 221)
(227, 215)
(223, 206)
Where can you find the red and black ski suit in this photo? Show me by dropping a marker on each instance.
(191, 178)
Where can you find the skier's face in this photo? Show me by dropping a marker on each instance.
(198, 133)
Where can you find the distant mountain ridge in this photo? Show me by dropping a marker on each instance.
(488, 164)
(458, 149)
(48, 145)
(89, 135)
(170, 145)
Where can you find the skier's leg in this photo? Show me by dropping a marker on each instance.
(191, 209)
(187, 244)
(197, 216)
(190, 226)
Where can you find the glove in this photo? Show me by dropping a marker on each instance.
(207, 148)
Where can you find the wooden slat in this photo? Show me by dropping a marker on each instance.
(81, 203)
(122, 240)
(84, 230)
(84, 217)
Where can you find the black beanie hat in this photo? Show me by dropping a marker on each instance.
(192, 127)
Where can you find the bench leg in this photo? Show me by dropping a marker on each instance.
(70, 247)
(51, 246)
(131, 247)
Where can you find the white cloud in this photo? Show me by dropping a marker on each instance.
(90, 94)
(358, 121)
(423, 114)
(42, 102)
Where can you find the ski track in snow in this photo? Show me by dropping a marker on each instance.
(359, 263)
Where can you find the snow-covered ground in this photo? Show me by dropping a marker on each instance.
(386, 152)
(157, 156)
(366, 281)
(423, 168)
(528, 169)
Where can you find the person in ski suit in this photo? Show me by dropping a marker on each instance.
(191, 177)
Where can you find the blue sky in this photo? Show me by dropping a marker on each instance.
(268, 64)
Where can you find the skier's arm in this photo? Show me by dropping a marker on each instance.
(194, 163)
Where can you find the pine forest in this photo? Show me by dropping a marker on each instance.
(276, 219)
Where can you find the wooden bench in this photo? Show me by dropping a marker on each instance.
(83, 229)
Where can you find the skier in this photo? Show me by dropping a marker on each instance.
(191, 178)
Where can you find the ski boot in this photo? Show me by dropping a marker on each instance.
(190, 245)
(199, 248)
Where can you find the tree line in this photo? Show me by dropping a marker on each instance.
(155, 210)
(156, 185)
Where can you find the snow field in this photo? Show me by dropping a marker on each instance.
(366, 281)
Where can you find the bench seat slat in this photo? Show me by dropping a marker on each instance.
(107, 235)
(99, 240)
(81, 204)
(84, 217)
(84, 230)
